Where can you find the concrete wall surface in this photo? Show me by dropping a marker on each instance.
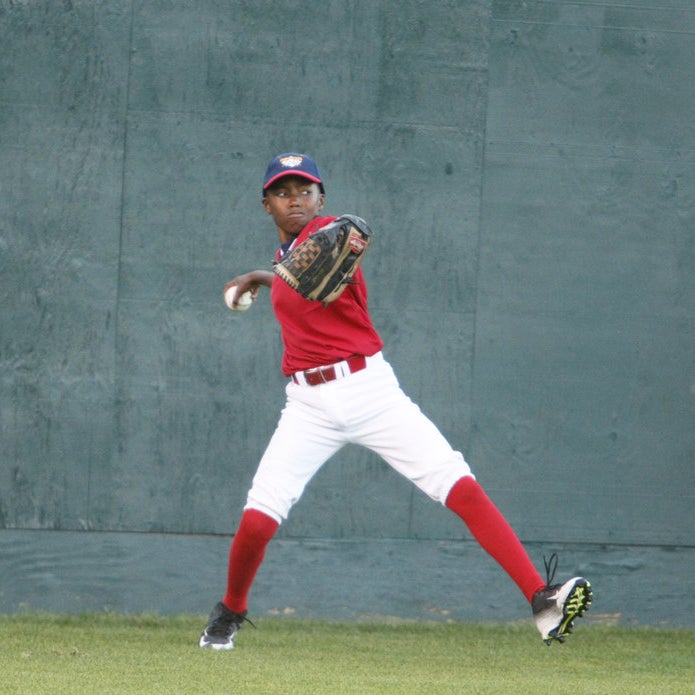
(352, 580)
(528, 169)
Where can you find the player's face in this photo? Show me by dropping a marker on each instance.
(293, 202)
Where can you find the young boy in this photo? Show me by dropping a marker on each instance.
(341, 389)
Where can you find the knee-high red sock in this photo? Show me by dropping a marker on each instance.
(245, 556)
(495, 535)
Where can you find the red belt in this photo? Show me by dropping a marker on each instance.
(321, 375)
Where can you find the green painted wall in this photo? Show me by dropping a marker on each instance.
(528, 170)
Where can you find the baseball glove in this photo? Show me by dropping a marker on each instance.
(322, 266)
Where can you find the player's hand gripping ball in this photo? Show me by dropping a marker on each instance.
(243, 302)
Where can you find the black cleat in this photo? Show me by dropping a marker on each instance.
(221, 629)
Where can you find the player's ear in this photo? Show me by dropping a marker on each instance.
(322, 200)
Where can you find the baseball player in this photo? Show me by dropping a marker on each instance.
(341, 389)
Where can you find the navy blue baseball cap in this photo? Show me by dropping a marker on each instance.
(292, 164)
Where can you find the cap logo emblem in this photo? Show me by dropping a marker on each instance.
(291, 161)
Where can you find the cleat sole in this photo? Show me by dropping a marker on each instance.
(576, 604)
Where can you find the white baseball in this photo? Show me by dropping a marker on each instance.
(244, 302)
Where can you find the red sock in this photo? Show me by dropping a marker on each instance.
(495, 535)
(245, 556)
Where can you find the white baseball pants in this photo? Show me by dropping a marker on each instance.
(367, 408)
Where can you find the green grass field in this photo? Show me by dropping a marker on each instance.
(107, 653)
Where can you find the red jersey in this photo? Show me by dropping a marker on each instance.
(314, 335)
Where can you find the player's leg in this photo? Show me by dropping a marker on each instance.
(303, 440)
(396, 429)
(407, 439)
